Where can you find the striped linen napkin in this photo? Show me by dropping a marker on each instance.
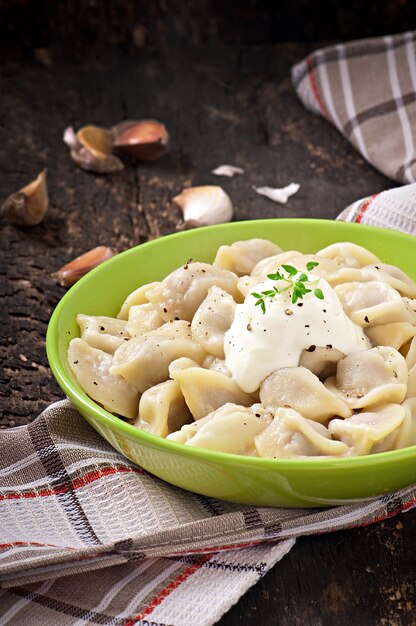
(87, 537)
(367, 89)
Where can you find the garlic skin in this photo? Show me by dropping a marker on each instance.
(202, 206)
(91, 149)
(144, 140)
(277, 194)
(81, 265)
(227, 170)
(96, 140)
(70, 138)
(27, 207)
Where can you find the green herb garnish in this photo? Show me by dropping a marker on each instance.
(300, 286)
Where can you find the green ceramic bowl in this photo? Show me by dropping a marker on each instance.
(248, 480)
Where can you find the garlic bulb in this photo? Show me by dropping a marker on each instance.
(202, 206)
(27, 206)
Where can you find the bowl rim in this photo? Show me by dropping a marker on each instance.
(105, 418)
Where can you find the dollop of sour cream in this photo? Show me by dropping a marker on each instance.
(258, 343)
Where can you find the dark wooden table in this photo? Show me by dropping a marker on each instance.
(223, 105)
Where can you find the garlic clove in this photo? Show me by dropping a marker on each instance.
(91, 149)
(27, 206)
(81, 265)
(145, 140)
(202, 206)
(96, 140)
(88, 162)
(278, 194)
(227, 170)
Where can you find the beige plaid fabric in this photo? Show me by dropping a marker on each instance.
(86, 537)
(367, 89)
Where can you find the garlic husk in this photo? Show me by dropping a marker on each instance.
(227, 170)
(144, 140)
(96, 139)
(102, 165)
(27, 207)
(70, 137)
(202, 206)
(81, 265)
(91, 149)
(278, 194)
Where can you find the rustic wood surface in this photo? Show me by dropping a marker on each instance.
(221, 105)
(81, 24)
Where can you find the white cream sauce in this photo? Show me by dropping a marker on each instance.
(258, 343)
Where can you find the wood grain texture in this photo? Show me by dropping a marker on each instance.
(79, 24)
(221, 105)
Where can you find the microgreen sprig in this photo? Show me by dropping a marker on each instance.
(300, 285)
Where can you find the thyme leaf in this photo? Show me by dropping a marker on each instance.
(300, 285)
(292, 271)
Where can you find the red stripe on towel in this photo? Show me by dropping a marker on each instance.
(82, 481)
(168, 589)
(314, 87)
(364, 208)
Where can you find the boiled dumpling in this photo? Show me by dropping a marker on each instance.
(179, 295)
(92, 371)
(407, 431)
(373, 303)
(297, 388)
(411, 383)
(162, 409)
(411, 365)
(103, 333)
(230, 428)
(142, 319)
(395, 334)
(411, 354)
(217, 365)
(375, 376)
(372, 431)
(349, 254)
(206, 390)
(144, 361)
(290, 435)
(410, 305)
(271, 264)
(182, 363)
(245, 284)
(391, 275)
(322, 361)
(326, 268)
(138, 296)
(212, 319)
(240, 257)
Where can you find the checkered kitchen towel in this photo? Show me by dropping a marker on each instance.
(86, 537)
(367, 89)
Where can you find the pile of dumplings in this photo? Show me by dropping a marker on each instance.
(160, 364)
